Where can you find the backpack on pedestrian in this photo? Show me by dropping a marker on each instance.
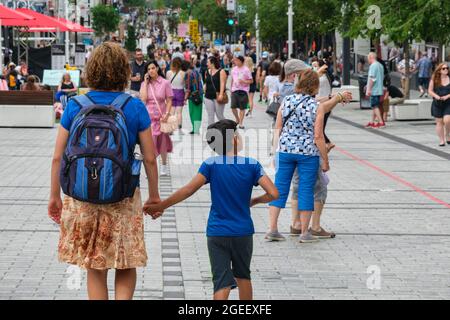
(98, 165)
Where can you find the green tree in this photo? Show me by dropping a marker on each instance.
(104, 19)
(211, 16)
(134, 3)
(130, 42)
(403, 22)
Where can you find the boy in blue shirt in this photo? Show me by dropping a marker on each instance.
(230, 227)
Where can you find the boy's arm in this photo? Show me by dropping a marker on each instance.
(181, 194)
(270, 189)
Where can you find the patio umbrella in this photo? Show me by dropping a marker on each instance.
(6, 15)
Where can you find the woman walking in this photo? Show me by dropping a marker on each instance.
(272, 82)
(299, 131)
(251, 94)
(194, 95)
(176, 77)
(439, 89)
(99, 237)
(156, 92)
(215, 85)
(241, 78)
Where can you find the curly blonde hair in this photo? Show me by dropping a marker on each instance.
(108, 68)
(308, 83)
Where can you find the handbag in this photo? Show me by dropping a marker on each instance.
(273, 107)
(172, 122)
(195, 96)
(225, 99)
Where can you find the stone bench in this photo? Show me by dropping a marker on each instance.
(26, 109)
(353, 89)
(413, 109)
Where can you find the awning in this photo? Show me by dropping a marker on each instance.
(14, 18)
(74, 27)
(43, 21)
(64, 24)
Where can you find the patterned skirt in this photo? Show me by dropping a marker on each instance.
(103, 236)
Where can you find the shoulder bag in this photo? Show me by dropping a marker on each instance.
(172, 122)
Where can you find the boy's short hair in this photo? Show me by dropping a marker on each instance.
(220, 136)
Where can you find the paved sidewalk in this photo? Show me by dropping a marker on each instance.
(388, 203)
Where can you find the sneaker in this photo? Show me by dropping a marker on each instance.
(370, 125)
(322, 234)
(380, 125)
(295, 232)
(274, 236)
(307, 238)
(163, 171)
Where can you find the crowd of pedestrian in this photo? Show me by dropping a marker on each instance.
(162, 84)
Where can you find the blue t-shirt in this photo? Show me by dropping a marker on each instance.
(136, 115)
(231, 182)
(376, 73)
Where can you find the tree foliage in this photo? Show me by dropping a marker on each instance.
(104, 19)
(130, 42)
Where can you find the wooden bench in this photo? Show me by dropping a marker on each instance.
(413, 109)
(27, 109)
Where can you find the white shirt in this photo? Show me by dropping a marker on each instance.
(272, 82)
(324, 86)
(178, 55)
(178, 81)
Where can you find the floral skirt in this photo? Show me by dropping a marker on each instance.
(103, 236)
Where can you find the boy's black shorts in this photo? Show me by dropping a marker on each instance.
(230, 258)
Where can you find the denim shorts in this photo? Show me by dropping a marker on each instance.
(375, 101)
(307, 167)
(230, 258)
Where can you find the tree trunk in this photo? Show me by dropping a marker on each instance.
(407, 71)
(306, 46)
(334, 54)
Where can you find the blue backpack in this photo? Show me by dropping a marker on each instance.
(98, 165)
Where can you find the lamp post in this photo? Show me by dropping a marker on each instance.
(258, 46)
(290, 14)
(67, 40)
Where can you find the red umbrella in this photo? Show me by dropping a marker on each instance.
(43, 21)
(9, 14)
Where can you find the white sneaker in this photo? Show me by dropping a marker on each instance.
(163, 170)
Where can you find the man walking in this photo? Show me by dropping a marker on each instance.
(425, 68)
(137, 73)
(375, 90)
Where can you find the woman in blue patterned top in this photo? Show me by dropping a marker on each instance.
(300, 144)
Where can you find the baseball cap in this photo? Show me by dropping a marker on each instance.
(265, 55)
(294, 65)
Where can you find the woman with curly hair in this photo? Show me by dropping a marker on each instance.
(99, 237)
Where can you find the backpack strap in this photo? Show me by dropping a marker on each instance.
(83, 101)
(121, 101)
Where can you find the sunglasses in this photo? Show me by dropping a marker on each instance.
(444, 68)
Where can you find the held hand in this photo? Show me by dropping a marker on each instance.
(220, 97)
(153, 208)
(253, 202)
(325, 166)
(55, 209)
